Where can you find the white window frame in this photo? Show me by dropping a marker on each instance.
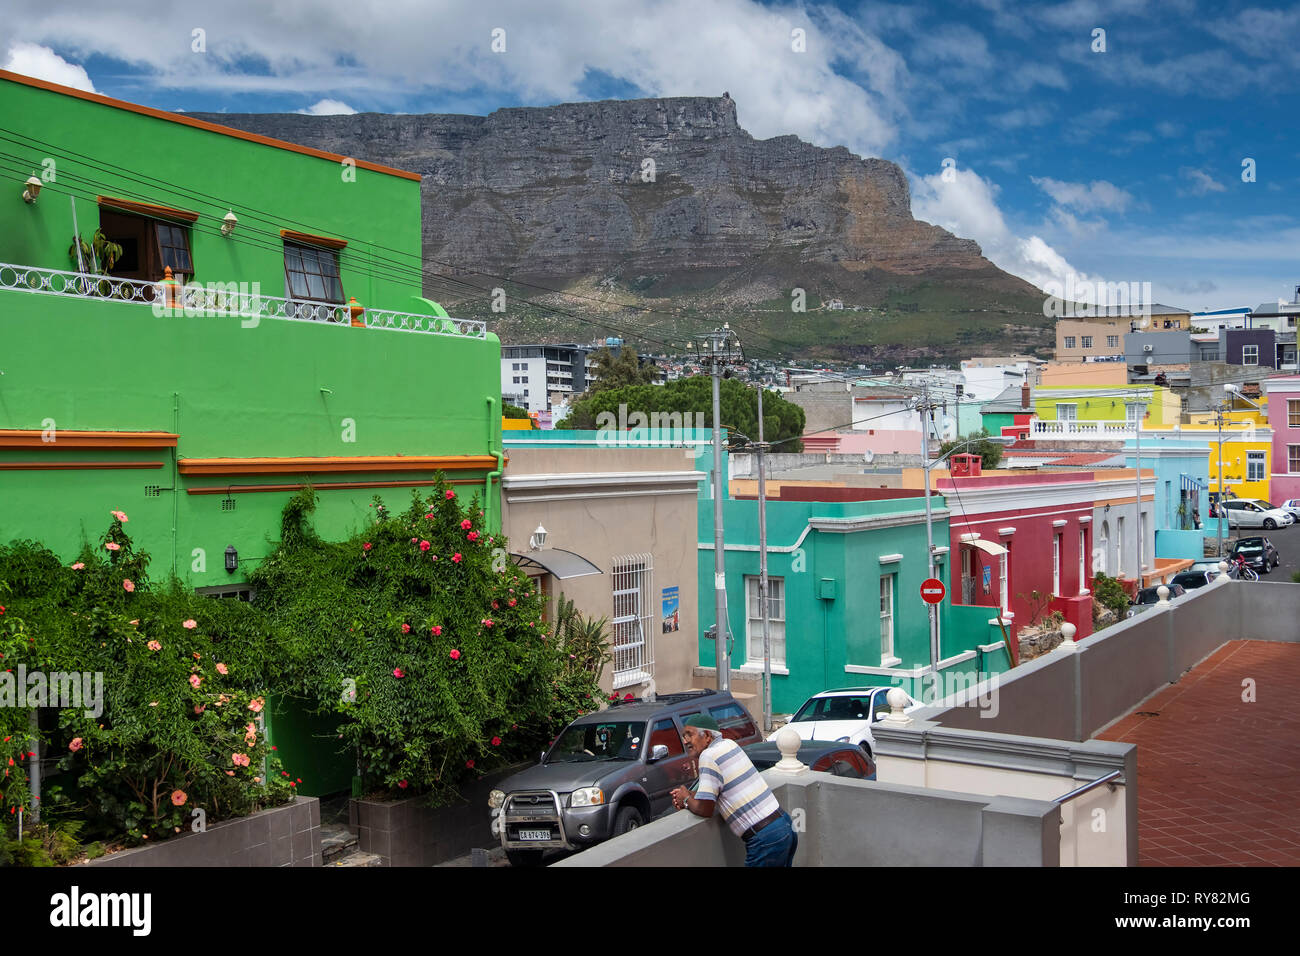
(1293, 459)
(775, 620)
(632, 581)
(1254, 354)
(1069, 341)
(1004, 580)
(1056, 565)
(1253, 459)
(1072, 416)
(1085, 341)
(888, 613)
(1112, 341)
(1083, 557)
(1293, 413)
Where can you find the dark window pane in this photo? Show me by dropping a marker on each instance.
(313, 273)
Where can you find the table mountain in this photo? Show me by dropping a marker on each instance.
(669, 205)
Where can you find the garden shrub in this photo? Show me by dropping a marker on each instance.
(423, 637)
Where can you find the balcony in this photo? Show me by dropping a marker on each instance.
(1118, 429)
(240, 300)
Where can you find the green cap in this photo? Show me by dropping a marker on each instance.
(702, 721)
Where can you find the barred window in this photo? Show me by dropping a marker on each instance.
(632, 576)
(775, 620)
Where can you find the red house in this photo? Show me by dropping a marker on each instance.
(1022, 543)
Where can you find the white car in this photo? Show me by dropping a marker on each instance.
(843, 715)
(1255, 513)
(1291, 505)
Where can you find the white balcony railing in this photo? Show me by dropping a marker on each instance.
(228, 299)
(1081, 429)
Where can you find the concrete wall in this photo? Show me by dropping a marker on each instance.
(1167, 348)
(281, 836)
(605, 502)
(849, 822)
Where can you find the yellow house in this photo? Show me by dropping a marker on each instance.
(1108, 407)
(1247, 452)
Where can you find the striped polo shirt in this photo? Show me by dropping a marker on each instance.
(728, 776)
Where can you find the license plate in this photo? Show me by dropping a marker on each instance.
(534, 834)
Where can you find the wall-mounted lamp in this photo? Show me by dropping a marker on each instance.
(1106, 511)
(228, 223)
(33, 189)
(232, 559)
(538, 539)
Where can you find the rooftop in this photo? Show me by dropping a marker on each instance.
(1219, 775)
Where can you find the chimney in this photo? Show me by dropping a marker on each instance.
(1024, 395)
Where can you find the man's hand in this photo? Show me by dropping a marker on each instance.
(680, 796)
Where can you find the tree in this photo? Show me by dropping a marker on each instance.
(620, 370)
(990, 452)
(692, 398)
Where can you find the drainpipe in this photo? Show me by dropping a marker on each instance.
(492, 433)
(176, 429)
(33, 769)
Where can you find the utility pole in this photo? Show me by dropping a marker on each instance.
(1218, 420)
(926, 410)
(715, 352)
(1137, 480)
(762, 571)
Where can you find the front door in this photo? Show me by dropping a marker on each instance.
(968, 577)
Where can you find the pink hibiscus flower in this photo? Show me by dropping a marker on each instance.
(449, 494)
(119, 515)
(496, 741)
(154, 646)
(195, 680)
(366, 546)
(425, 546)
(436, 630)
(466, 525)
(472, 536)
(75, 744)
(78, 566)
(256, 705)
(455, 654)
(128, 585)
(190, 625)
(113, 546)
(398, 673)
(457, 558)
(178, 798)
(223, 670)
(406, 628)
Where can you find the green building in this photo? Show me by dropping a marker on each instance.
(255, 325)
(844, 599)
(293, 348)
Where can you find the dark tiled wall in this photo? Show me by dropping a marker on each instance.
(406, 833)
(282, 836)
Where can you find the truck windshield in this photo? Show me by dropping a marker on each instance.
(611, 740)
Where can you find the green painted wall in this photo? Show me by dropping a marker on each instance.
(823, 635)
(98, 150)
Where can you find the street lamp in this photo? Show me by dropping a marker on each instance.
(927, 464)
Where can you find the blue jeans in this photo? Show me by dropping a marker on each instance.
(774, 845)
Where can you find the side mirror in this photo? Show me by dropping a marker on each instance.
(541, 757)
(658, 752)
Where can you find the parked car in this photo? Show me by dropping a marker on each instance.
(1255, 513)
(607, 773)
(824, 756)
(1149, 597)
(1258, 551)
(844, 716)
(1292, 505)
(1190, 580)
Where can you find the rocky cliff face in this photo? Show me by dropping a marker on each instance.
(634, 186)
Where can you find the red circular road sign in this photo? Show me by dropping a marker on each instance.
(932, 591)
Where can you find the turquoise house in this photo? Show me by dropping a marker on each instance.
(1182, 491)
(844, 602)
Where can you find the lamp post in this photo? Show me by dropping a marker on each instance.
(1137, 480)
(1219, 409)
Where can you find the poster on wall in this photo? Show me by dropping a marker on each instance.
(671, 615)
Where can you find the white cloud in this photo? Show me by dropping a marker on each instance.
(844, 89)
(968, 207)
(1201, 182)
(1085, 197)
(32, 59)
(328, 107)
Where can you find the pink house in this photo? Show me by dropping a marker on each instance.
(1284, 418)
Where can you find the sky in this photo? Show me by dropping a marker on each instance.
(1114, 140)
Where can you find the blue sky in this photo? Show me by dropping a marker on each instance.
(1122, 163)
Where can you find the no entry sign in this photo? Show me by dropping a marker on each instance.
(932, 591)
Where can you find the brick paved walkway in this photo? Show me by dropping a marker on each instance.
(1218, 778)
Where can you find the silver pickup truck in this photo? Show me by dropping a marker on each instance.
(607, 773)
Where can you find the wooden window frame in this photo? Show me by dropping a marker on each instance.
(317, 251)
